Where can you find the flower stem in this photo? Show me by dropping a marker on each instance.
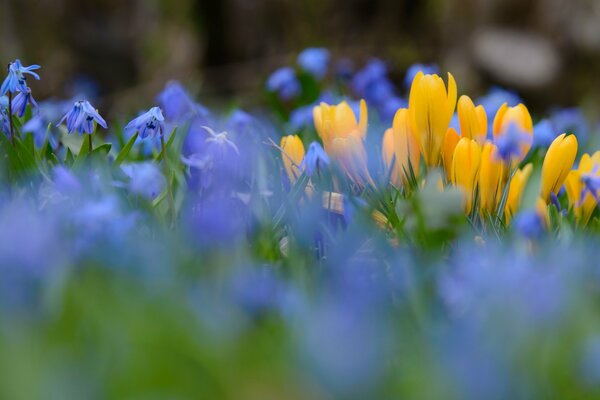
(10, 118)
(163, 150)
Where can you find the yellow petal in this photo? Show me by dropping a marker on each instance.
(465, 168)
(292, 151)
(557, 164)
(490, 178)
(450, 141)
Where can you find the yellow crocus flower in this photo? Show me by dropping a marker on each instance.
(450, 141)
(465, 168)
(520, 117)
(343, 136)
(515, 191)
(387, 153)
(431, 107)
(583, 209)
(339, 121)
(473, 120)
(491, 173)
(557, 163)
(292, 153)
(401, 143)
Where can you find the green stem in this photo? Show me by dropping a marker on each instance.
(168, 177)
(90, 147)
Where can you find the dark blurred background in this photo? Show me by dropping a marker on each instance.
(125, 50)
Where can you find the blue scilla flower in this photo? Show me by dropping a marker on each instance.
(372, 83)
(4, 122)
(150, 123)
(21, 101)
(493, 100)
(591, 184)
(529, 224)
(16, 80)
(571, 120)
(543, 133)
(315, 61)
(315, 159)
(414, 69)
(81, 118)
(285, 83)
(176, 102)
(145, 179)
(510, 144)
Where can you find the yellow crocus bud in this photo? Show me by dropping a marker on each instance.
(465, 168)
(387, 153)
(515, 191)
(343, 137)
(339, 121)
(450, 141)
(491, 173)
(405, 146)
(292, 153)
(473, 120)
(583, 208)
(431, 107)
(519, 117)
(557, 164)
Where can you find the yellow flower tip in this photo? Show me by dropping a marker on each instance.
(431, 107)
(465, 168)
(582, 208)
(405, 146)
(490, 178)
(515, 191)
(450, 141)
(558, 162)
(472, 120)
(506, 115)
(292, 153)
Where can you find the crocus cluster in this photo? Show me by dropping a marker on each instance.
(488, 165)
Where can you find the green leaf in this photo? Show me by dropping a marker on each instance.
(69, 158)
(103, 149)
(84, 150)
(125, 150)
(167, 145)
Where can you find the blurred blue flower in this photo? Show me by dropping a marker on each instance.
(257, 290)
(389, 107)
(314, 61)
(493, 100)
(16, 79)
(414, 69)
(571, 120)
(344, 69)
(41, 126)
(342, 347)
(591, 184)
(510, 143)
(372, 83)
(285, 83)
(529, 224)
(215, 164)
(20, 102)
(314, 160)
(81, 118)
(4, 122)
(543, 133)
(3, 102)
(150, 123)
(176, 102)
(145, 179)
(65, 181)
